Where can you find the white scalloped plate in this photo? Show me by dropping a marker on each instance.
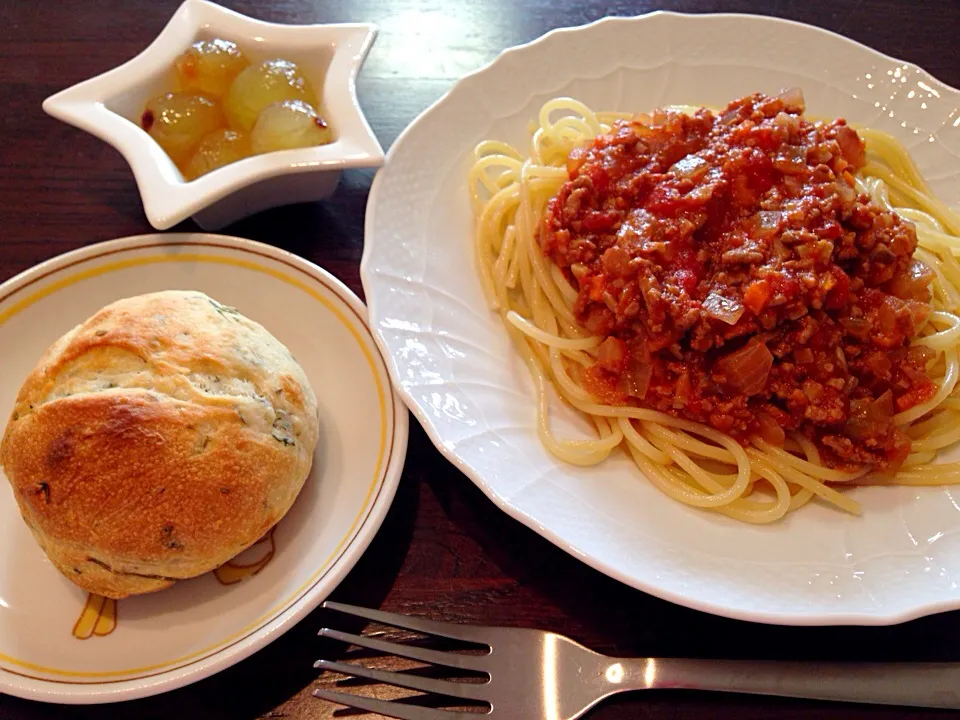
(58, 644)
(454, 366)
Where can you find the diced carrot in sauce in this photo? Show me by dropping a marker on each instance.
(596, 287)
(757, 295)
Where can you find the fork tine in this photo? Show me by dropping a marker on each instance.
(448, 659)
(471, 691)
(430, 627)
(393, 709)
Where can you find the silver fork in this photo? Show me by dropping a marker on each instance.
(537, 675)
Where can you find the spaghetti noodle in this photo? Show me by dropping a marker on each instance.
(741, 464)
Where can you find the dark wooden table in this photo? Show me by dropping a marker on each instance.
(444, 550)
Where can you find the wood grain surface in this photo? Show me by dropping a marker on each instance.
(444, 550)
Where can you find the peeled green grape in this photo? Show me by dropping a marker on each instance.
(286, 125)
(271, 81)
(219, 148)
(209, 67)
(178, 122)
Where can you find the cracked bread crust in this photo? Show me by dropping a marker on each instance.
(157, 440)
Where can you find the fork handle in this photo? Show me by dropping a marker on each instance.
(915, 684)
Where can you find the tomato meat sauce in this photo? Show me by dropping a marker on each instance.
(740, 281)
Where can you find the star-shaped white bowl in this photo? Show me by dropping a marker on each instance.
(110, 105)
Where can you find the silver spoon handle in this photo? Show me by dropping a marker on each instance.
(915, 684)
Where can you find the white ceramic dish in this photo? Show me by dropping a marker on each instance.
(454, 366)
(109, 106)
(55, 644)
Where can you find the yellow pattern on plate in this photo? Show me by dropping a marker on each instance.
(145, 671)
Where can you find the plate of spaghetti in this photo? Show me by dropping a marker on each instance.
(699, 328)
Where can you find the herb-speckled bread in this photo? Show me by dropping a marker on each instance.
(157, 440)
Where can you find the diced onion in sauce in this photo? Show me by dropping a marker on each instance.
(869, 418)
(691, 166)
(612, 354)
(879, 364)
(792, 160)
(887, 316)
(637, 378)
(746, 370)
(769, 221)
(729, 116)
(851, 146)
(858, 327)
(791, 122)
(921, 354)
(770, 429)
(724, 309)
(682, 391)
(919, 314)
(793, 99)
(847, 194)
(576, 159)
(913, 284)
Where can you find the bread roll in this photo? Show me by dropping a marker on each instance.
(157, 440)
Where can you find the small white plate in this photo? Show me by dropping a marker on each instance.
(59, 646)
(454, 365)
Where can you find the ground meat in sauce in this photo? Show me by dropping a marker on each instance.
(741, 282)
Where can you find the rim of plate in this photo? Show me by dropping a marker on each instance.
(293, 610)
(821, 619)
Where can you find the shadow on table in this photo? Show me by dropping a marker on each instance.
(613, 618)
